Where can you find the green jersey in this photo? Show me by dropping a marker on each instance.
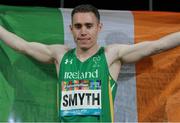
(86, 89)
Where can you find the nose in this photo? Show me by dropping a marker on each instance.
(83, 31)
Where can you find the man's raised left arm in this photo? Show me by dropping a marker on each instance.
(133, 53)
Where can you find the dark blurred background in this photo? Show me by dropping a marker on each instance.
(154, 5)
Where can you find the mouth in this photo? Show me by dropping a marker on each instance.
(83, 39)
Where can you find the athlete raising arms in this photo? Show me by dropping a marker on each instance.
(88, 72)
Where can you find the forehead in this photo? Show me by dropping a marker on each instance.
(84, 17)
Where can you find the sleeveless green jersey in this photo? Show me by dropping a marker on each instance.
(86, 89)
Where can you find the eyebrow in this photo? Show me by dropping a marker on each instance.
(89, 24)
(77, 24)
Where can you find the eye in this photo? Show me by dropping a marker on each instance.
(78, 26)
(89, 26)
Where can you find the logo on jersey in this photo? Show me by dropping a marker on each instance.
(67, 61)
(96, 61)
(81, 75)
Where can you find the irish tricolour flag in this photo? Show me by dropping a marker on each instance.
(147, 91)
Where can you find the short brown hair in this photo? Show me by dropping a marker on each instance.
(86, 8)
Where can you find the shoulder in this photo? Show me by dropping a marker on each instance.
(115, 52)
(58, 50)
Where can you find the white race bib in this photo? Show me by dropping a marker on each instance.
(82, 101)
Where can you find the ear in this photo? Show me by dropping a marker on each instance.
(100, 26)
(70, 27)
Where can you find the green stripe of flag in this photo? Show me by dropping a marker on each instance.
(27, 87)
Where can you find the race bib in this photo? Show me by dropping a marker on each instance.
(81, 97)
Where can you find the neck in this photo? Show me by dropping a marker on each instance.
(83, 54)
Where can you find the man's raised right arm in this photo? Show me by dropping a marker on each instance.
(39, 51)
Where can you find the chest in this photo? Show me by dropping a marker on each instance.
(72, 68)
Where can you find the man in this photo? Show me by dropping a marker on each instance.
(87, 74)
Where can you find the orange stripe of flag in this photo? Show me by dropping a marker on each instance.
(158, 76)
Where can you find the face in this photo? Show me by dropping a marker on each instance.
(85, 29)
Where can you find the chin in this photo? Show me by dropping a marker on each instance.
(84, 47)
